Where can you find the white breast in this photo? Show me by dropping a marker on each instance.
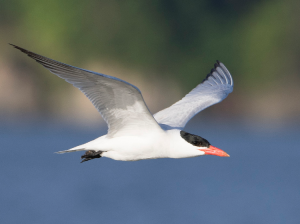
(167, 144)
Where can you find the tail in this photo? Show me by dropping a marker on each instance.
(75, 149)
(85, 147)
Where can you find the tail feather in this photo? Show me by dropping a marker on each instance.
(84, 147)
(75, 149)
(69, 150)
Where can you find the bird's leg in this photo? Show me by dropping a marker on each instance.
(90, 154)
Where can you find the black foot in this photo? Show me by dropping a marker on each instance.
(91, 154)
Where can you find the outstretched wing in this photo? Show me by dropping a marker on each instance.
(217, 85)
(120, 103)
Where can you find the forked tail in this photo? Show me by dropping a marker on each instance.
(75, 149)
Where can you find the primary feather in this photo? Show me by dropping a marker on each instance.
(217, 85)
(120, 103)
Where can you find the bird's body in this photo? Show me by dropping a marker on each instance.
(146, 146)
(134, 133)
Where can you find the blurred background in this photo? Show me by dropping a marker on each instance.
(165, 48)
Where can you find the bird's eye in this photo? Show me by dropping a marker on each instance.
(200, 143)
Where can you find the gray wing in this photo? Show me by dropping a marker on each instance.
(217, 85)
(120, 103)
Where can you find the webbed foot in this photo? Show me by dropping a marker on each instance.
(90, 154)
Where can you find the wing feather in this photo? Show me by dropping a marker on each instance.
(214, 88)
(121, 104)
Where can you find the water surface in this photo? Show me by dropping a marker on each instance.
(259, 183)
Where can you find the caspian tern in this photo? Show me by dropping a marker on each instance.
(133, 132)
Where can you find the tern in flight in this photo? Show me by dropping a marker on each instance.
(133, 132)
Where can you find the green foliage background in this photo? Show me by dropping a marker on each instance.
(257, 40)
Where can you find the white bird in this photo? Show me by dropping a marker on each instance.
(133, 132)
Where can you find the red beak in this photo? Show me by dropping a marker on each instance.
(214, 151)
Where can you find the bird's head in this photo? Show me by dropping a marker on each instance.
(202, 144)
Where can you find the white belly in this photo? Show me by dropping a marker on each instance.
(130, 148)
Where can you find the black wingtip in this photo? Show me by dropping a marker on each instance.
(217, 64)
(212, 71)
(15, 46)
(19, 48)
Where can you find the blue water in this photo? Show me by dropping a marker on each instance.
(259, 183)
